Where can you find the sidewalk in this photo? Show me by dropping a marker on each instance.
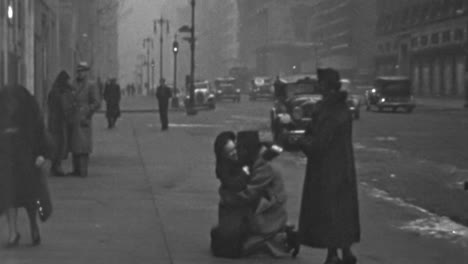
(109, 217)
(140, 104)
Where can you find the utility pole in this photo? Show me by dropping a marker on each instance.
(153, 66)
(148, 43)
(175, 50)
(190, 105)
(161, 22)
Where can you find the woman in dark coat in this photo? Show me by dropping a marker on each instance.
(60, 106)
(329, 216)
(23, 148)
(228, 236)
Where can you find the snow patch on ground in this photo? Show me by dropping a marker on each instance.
(430, 224)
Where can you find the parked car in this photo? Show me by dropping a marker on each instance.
(261, 87)
(391, 92)
(291, 116)
(354, 100)
(226, 89)
(203, 95)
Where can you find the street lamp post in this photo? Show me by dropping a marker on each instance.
(148, 43)
(191, 29)
(161, 22)
(175, 50)
(153, 66)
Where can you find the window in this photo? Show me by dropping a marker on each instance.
(446, 37)
(414, 42)
(459, 34)
(424, 40)
(388, 47)
(435, 38)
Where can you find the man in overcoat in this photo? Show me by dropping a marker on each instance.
(86, 103)
(112, 96)
(329, 215)
(163, 93)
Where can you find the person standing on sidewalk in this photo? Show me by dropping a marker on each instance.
(329, 214)
(86, 103)
(59, 106)
(24, 148)
(112, 96)
(163, 93)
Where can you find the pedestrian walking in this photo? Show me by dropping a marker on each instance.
(163, 93)
(329, 214)
(60, 107)
(112, 96)
(86, 103)
(24, 148)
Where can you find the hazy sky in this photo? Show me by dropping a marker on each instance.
(132, 30)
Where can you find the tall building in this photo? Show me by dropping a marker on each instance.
(271, 40)
(343, 34)
(426, 40)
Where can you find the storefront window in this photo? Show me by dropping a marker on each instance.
(446, 37)
(435, 38)
(424, 40)
(459, 34)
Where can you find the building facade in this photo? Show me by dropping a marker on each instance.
(272, 36)
(343, 35)
(427, 41)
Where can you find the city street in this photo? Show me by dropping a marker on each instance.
(151, 196)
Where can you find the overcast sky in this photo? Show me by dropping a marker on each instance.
(132, 30)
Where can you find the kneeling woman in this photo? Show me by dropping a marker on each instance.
(252, 214)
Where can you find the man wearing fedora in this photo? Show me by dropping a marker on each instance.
(86, 102)
(329, 216)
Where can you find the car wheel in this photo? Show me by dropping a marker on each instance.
(409, 109)
(380, 109)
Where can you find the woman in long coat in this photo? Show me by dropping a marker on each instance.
(329, 216)
(86, 100)
(60, 106)
(23, 147)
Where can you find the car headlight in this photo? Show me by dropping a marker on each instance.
(383, 100)
(238, 91)
(374, 90)
(219, 91)
(298, 113)
(284, 118)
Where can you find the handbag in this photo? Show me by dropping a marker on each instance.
(44, 201)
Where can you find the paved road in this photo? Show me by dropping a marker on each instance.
(151, 197)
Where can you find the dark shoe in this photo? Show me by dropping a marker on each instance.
(293, 241)
(350, 260)
(36, 238)
(334, 260)
(57, 173)
(14, 243)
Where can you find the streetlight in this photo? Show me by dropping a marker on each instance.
(10, 13)
(175, 50)
(148, 43)
(161, 22)
(187, 29)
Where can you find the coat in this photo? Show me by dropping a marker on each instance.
(228, 236)
(266, 190)
(86, 103)
(60, 107)
(329, 214)
(163, 93)
(23, 138)
(112, 96)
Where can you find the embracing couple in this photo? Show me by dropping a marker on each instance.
(252, 215)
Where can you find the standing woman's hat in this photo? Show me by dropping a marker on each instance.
(249, 139)
(82, 67)
(331, 77)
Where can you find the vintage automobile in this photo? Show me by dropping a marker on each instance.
(226, 89)
(391, 92)
(203, 95)
(291, 115)
(261, 87)
(354, 100)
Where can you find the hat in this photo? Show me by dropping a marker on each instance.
(330, 76)
(83, 66)
(248, 139)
